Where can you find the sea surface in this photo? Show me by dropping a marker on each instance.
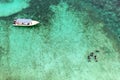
(75, 40)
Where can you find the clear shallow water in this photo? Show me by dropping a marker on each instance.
(58, 47)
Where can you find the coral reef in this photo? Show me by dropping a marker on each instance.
(109, 13)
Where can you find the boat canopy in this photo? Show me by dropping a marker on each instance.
(24, 20)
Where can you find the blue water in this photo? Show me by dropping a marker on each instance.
(58, 47)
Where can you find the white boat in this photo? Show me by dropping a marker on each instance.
(25, 22)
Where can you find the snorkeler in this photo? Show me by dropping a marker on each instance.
(95, 58)
(89, 58)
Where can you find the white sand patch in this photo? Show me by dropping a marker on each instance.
(7, 9)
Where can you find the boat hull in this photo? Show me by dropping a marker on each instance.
(32, 24)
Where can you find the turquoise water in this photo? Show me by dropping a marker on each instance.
(58, 47)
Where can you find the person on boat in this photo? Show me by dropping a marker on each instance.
(14, 22)
(24, 21)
